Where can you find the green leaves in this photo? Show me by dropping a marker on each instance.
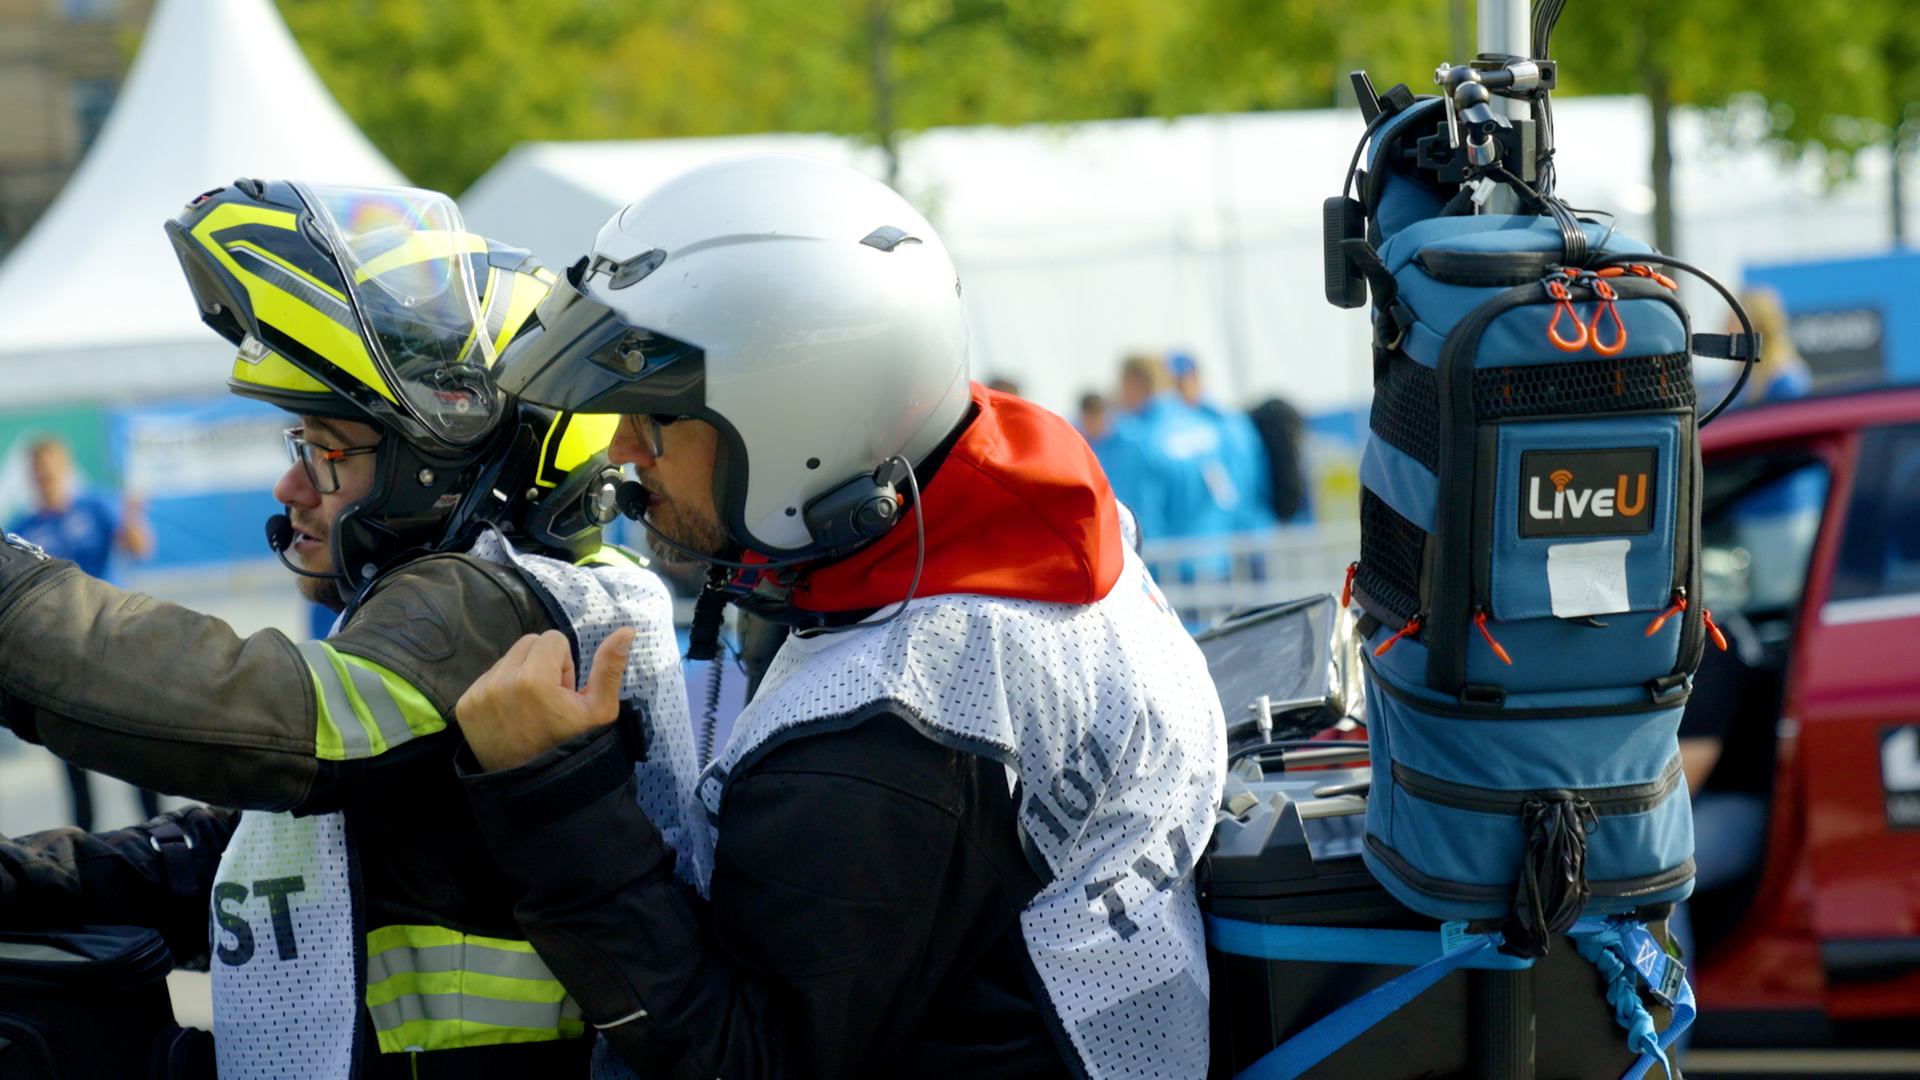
(446, 87)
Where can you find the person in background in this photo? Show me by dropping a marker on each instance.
(84, 526)
(1780, 374)
(1242, 454)
(1282, 436)
(1167, 461)
(1094, 424)
(1004, 386)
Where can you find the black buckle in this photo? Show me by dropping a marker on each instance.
(1667, 688)
(1483, 695)
(176, 857)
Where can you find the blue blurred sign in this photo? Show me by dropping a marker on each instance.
(207, 468)
(1854, 320)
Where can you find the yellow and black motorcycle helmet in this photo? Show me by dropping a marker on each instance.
(375, 304)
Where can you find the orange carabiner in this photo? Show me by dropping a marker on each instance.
(1607, 297)
(1563, 305)
(1346, 592)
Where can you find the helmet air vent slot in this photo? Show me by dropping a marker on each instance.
(886, 238)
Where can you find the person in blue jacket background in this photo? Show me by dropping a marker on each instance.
(84, 526)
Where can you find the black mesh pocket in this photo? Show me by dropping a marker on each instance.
(1406, 410)
(1391, 547)
(1637, 384)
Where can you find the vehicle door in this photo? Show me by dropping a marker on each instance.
(1768, 526)
(1857, 697)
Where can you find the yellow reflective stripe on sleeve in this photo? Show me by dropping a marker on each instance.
(409, 706)
(364, 709)
(435, 989)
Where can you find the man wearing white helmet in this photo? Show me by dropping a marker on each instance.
(953, 832)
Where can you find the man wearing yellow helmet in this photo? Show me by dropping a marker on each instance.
(359, 929)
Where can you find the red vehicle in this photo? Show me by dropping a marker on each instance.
(1811, 538)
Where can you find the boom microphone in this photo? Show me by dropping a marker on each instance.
(632, 498)
(280, 537)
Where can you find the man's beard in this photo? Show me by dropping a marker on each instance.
(324, 591)
(702, 534)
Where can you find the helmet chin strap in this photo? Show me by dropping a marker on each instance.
(280, 537)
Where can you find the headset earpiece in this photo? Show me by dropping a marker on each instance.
(857, 512)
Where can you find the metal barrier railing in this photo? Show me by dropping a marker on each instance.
(1206, 578)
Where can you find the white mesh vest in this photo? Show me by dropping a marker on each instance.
(287, 974)
(1106, 716)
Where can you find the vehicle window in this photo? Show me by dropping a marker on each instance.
(1760, 518)
(1880, 550)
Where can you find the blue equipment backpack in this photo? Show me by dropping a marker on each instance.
(1529, 546)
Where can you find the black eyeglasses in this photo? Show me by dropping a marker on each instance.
(310, 454)
(655, 436)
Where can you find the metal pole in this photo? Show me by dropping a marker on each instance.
(1506, 28)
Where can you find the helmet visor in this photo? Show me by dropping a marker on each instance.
(408, 263)
(579, 355)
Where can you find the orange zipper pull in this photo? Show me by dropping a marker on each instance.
(1719, 638)
(1480, 622)
(1346, 591)
(1646, 271)
(1412, 627)
(1679, 605)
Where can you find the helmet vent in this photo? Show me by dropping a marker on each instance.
(886, 238)
(625, 273)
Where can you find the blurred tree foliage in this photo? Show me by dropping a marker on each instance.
(445, 87)
(1828, 77)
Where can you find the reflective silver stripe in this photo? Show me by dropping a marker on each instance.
(443, 1007)
(353, 737)
(319, 299)
(403, 959)
(498, 301)
(386, 712)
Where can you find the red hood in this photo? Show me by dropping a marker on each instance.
(1019, 509)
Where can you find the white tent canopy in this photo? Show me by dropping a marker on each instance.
(1079, 242)
(92, 302)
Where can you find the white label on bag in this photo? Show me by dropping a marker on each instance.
(1588, 579)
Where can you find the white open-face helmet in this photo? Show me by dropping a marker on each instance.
(804, 310)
